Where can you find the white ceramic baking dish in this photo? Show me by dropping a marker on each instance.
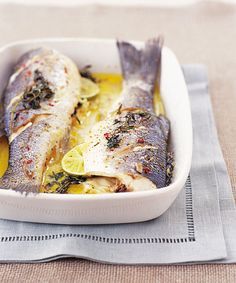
(106, 208)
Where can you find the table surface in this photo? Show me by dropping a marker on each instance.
(203, 33)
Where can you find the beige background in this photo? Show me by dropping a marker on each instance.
(205, 33)
(115, 2)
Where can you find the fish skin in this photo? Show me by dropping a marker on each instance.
(48, 126)
(2, 131)
(138, 157)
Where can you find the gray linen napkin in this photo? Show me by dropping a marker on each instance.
(199, 227)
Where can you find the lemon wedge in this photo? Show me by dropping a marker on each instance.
(4, 155)
(73, 162)
(88, 88)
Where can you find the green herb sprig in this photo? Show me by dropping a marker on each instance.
(63, 182)
(37, 93)
(113, 141)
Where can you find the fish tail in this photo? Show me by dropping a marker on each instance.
(141, 64)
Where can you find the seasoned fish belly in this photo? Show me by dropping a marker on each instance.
(131, 143)
(39, 100)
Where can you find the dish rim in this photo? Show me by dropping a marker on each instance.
(124, 195)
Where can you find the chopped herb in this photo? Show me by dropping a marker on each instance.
(119, 109)
(50, 185)
(113, 141)
(69, 180)
(124, 128)
(63, 182)
(116, 121)
(78, 105)
(37, 93)
(57, 176)
(16, 116)
(77, 119)
(124, 124)
(130, 118)
(143, 114)
(75, 116)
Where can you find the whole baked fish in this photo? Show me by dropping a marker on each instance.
(131, 143)
(39, 100)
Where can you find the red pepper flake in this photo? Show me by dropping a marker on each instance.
(28, 148)
(21, 118)
(29, 161)
(51, 104)
(29, 73)
(146, 170)
(107, 135)
(140, 140)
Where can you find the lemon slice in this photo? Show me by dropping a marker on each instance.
(4, 155)
(88, 88)
(73, 162)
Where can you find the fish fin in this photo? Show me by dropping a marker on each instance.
(141, 64)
